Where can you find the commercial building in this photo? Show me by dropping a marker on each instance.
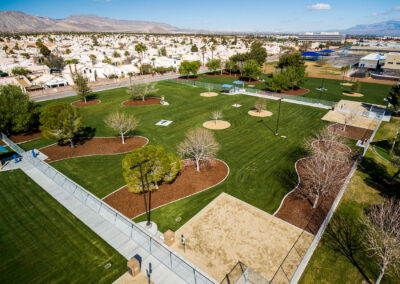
(372, 61)
(392, 61)
(322, 37)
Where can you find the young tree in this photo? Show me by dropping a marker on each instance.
(81, 86)
(216, 115)
(252, 69)
(230, 65)
(260, 104)
(355, 87)
(348, 119)
(394, 98)
(214, 65)
(17, 113)
(141, 90)
(60, 121)
(121, 122)
(344, 70)
(382, 235)
(198, 145)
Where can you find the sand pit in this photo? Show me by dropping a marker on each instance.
(346, 84)
(263, 113)
(350, 119)
(216, 125)
(358, 95)
(209, 94)
(81, 103)
(128, 279)
(228, 230)
(93, 146)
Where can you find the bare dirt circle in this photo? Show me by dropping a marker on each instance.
(346, 84)
(209, 94)
(146, 102)
(263, 113)
(353, 94)
(216, 125)
(81, 103)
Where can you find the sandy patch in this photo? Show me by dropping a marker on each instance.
(209, 94)
(350, 119)
(352, 94)
(346, 84)
(128, 279)
(216, 125)
(263, 113)
(228, 230)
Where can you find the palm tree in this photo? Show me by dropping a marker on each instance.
(212, 51)
(344, 70)
(203, 51)
(140, 49)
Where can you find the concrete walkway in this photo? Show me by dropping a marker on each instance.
(108, 232)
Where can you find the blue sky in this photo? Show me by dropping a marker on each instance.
(233, 15)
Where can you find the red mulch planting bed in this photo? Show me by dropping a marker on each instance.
(23, 137)
(93, 146)
(146, 102)
(296, 92)
(352, 132)
(83, 104)
(188, 182)
(297, 210)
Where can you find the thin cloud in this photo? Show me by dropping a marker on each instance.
(319, 6)
(387, 12)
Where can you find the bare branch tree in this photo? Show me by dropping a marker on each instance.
(216, 115)
(348, 119)
(121, 122)
(260, 105)
(198, 145)
(382, 235)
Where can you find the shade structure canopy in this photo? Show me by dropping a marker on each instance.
(310, 54)
(326, 51)
(237, 82)
(3, 149)
(227, 86)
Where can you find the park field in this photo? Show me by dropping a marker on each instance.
(373, 93)
(42, 242)
(261, 164)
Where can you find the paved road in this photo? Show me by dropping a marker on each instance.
(107, 87)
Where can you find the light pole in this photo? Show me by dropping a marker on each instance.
(148, 224)
(394, 141)
(279, 114)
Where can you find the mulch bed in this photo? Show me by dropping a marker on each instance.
(296, 92)
(297, 210)
(146, 102)
(93, 146)
(83, 104)
(188, 182)
(335, 146)
(352, 132)
(23, 137)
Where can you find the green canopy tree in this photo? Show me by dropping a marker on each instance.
(141, 90)
(17, 113)
(252, 69)
(44, 50)
(60, 121)
(55, 62)
(258, 52)
(189, 67)
(296, 76)
(278, 82)
(291, 59)
(394, 98)
(81, 87)
(162, 167)
(214, 65)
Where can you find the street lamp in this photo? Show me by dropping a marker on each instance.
(148, 224)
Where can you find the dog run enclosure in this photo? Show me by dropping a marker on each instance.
(185, 270)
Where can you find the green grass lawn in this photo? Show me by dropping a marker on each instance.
(261, 164)
(42, 242)
(366, 187)
(373, 93)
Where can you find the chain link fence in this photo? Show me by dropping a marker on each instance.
(162, 253)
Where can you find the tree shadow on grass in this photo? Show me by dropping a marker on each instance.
(377, 176)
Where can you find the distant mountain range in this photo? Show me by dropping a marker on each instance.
(388, 28)
(11, 21)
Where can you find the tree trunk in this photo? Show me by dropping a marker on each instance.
(394, 177)
(315, 202)
(381, 273)
(71, 142)
(197, 165)
(123, 138)
(70, 70)
(84, 98)
(76, 72)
